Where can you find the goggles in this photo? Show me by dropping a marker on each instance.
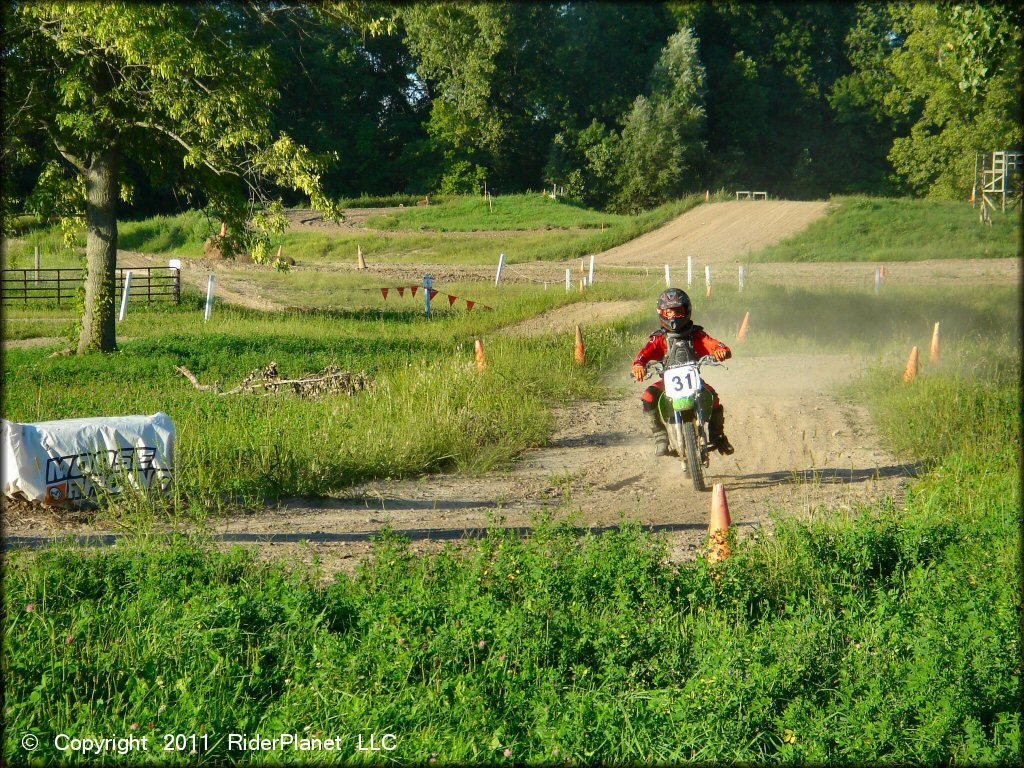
(671, 313)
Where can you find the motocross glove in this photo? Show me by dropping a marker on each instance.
(639, 372)
(721, 354)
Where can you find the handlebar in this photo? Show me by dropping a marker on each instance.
(659, 367)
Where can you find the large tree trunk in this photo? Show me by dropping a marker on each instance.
(102, 189)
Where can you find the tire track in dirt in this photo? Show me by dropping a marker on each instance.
(797, 447)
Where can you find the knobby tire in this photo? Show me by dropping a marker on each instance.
(693, 465)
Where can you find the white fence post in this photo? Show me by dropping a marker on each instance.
(689, 271)
(124, 295)
(878, 279)
(428, 284)
(209, 298)
(668, 276)
(743, 277)
(568, 279)
(590, 276)
(501, 266)
(707, 279)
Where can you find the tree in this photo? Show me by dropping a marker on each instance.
(347, 92)
(602, 58)
(957, 79)
(866, 124)
(771, 67)
(662, 141)
(585, 163)
(485, 66)
(157, 83)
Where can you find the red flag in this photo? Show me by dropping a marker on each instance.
(413, 289)
(451, 299)
(401, 290)
(385, 292)
(433, 293)
(469, 305)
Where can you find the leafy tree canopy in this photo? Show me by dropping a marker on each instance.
(957, 78)
(160, 83)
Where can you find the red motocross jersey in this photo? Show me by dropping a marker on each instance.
(657, 347)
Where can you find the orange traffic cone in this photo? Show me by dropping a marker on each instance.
(583, 285)
(280, 248)
(933, 356)
(223, 229)
(481, 360)
(718, 530)
(360, 261)
(743, 327)
(581, 352)
(707, 195)
(881, 270)
(911, 370)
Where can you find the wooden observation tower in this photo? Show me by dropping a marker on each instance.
(998, 177)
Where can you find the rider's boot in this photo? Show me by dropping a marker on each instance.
(716, 429)
(658, 432)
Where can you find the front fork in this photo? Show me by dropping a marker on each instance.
(674, 420)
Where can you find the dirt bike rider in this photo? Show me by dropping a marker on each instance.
(674, 311)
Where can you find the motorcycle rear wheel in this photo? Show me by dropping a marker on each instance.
(694, 466)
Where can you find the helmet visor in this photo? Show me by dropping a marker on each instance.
(673, 313)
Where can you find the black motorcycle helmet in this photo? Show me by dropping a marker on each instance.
(674, 310)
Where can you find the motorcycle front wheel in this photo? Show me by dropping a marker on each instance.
(693, 462)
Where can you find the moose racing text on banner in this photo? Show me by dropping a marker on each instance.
(75, 459)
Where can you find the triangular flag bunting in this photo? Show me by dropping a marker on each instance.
(385, 292)
(401, 290)
(433, 293)
(413, 289)
(469, 305)
(451, 299)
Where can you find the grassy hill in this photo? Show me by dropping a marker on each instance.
(895, 229)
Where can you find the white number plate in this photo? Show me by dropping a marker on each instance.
(682, 381)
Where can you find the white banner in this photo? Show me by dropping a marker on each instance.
(74, 459)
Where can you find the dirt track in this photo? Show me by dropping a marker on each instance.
(716, 234)
(797, 447)
(719, 235)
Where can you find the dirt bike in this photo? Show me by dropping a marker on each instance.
(684, 409)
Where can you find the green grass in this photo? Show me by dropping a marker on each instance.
(563, 231)
(387, 201)
(530, 213)
(180, 234)
(886, 636)
(427, 412)
(252, 446)
(883, 229)
(476, 213)
(183, 234)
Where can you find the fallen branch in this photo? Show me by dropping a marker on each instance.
(331, 380)
(192, 377)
